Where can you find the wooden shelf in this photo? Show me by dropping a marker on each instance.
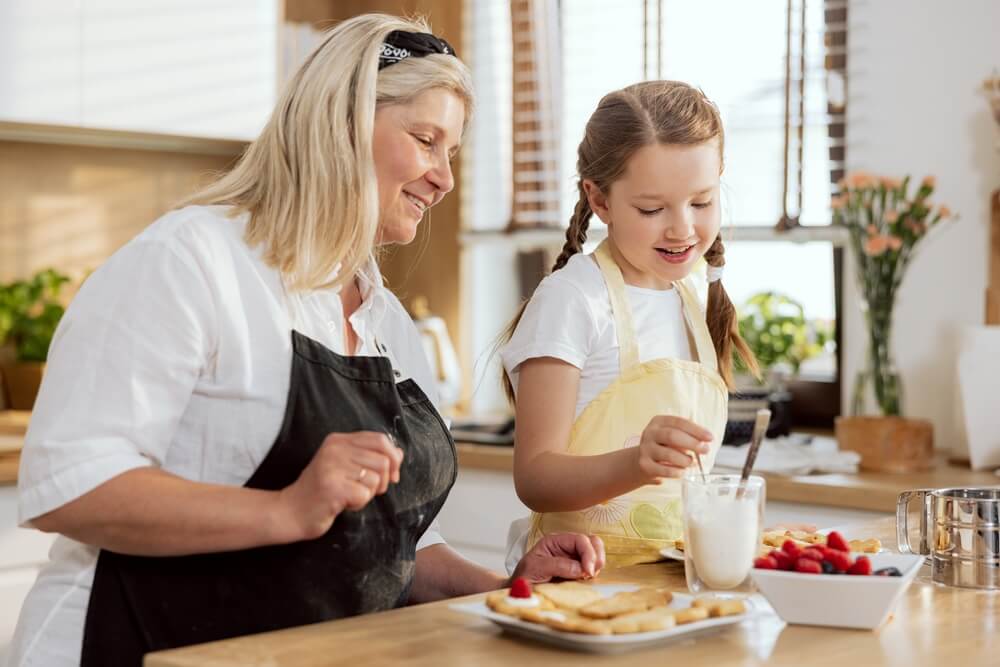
(122, 139)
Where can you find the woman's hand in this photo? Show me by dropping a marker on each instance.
(347, 471)
(563, 556)
(668, 445)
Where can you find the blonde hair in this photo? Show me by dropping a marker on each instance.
(651, 112)
(308, 181)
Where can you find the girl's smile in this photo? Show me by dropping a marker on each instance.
(662, 213)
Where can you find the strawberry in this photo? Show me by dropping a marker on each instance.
(791, 548)
(808, 566)
(765, 563)
(520, 588)
(784, 561)
(840, 560)
(836, 541)
(861, 566)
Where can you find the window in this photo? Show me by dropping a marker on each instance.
(734, 51)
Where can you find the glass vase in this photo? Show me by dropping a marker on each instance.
(878, 387)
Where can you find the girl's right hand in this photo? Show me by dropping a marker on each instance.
(668, 445)
(346, 472)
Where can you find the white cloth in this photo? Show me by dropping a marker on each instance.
(569, 317)
(792, 455)
(175, 353)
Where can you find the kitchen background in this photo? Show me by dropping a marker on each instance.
(111, 111)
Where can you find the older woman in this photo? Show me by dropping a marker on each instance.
(237, 431)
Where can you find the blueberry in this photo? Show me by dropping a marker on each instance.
(888, 572)
(828, 568)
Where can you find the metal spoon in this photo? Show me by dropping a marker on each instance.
(760, 425)
(701, 469)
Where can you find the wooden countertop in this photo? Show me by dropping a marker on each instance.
(873, 491)
(932, 625)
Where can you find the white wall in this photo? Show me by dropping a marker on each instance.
(915, 106)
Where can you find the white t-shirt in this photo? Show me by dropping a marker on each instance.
(569, 318)
(175, 353)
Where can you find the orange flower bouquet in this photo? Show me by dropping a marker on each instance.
(885, 223)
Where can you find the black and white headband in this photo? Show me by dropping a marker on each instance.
(400, 45)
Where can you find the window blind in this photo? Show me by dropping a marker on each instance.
(536, 96)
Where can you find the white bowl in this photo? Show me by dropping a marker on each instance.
(838, 600)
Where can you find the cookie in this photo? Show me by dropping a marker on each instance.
(869, 546)
(569, 621)
(499, 602)
(690, 615)
(569, 595)
(629, 602)
(718, 608)
(660, 618)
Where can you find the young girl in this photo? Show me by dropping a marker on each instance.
(619, 377)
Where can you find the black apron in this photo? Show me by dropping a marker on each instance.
(364, 563)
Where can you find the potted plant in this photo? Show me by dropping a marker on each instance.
(775, 327)
(886, 219)
(29, 313)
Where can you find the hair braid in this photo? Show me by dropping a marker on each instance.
(576, 233)
(722, 321)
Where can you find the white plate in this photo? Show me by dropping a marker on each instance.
(611, 643)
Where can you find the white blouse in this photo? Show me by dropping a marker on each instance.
(175, 353)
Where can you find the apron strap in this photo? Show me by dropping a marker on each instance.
(698, 326)
(628, 347)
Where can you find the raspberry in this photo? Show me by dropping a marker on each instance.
(784, 561)
(520, 588)
(861, 566)
(808, 566)
(836, 541)
(765, 563)
(840, 561)
(812, 554)
(791, 548)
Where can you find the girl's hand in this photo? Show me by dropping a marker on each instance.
(347, 471)
(668, 445)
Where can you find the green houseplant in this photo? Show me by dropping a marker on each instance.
(775, 327)
(886, 219)
(30, 310)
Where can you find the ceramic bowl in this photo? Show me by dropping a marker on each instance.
(838, 600)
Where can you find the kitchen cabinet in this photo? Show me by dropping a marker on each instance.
(40, 54)
(22, 553)
(204, 68)
(478, 513)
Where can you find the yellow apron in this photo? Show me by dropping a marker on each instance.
(635, 526)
